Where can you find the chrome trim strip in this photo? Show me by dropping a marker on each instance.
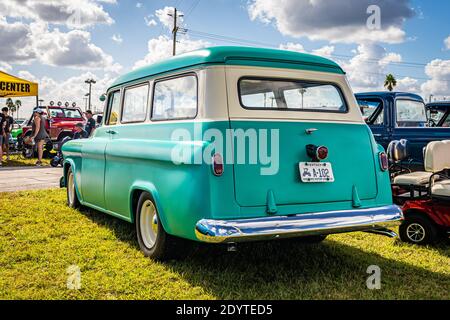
(276, 227)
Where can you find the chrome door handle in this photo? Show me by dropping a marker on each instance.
(311, 130)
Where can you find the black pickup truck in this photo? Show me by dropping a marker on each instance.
(397, 115)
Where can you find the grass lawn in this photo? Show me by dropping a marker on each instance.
(40, 238)
(19, 161)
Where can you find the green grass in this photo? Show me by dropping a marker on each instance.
(19, 161)
(40, 238)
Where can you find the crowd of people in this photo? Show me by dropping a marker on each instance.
(39, 134)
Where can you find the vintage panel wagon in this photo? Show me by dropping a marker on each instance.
(232, 144)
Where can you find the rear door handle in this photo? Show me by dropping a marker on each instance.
(111, 132)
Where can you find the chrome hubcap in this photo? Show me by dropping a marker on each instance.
(148, 224)
(415, 232)
(71, 188)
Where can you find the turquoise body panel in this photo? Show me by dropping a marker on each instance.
(139, 158)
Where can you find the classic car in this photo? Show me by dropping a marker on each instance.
(61, 121)
(439, 114)
(397, 115)
(233, 144)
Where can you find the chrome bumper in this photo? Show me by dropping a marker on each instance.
(277, 227)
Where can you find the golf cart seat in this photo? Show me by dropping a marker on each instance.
(441, 189)
(414, 178)
(437, 159)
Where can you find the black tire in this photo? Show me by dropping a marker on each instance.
(164, 246)
(72, 199)
(417, 229)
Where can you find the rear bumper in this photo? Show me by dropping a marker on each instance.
(276, 227)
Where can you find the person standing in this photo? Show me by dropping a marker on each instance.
(2, 136)
(8, 127)
(90, 124)
(39, 133)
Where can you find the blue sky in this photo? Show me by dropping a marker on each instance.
(411, 42)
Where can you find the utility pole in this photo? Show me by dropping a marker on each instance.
(175, 29)
(90, 82)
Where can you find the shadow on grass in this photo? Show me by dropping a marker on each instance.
(290, 270)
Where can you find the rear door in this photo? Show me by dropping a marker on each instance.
(278, 114)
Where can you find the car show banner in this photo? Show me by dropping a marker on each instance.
(11, 86)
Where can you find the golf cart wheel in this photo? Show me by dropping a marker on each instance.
(417, 229)
(72, 198)
(153, 240)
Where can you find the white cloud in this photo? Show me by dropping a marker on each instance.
(164, 17)
(367, 69)
(72, 49)
(139, 5)
(161, 48)
(335, 21)
(447, 43)
(326, 51)
(117, 38)
(439, 84)
(149, 21)
(291, 46)
(5, 66)
(71, 13)
(36, 41)
(408, 84)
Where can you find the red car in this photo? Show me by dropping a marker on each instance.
(424, 196)
(60, 122)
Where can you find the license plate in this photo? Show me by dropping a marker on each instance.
(314, 172)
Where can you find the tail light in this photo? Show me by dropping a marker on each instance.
(317, 153)
(217, 164)
(384, 162)
(322, 153)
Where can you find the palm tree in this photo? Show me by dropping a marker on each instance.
(390, 82)
(18, 104)
(10, 105)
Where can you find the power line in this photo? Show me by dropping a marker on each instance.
(191, 9)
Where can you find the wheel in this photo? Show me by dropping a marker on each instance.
(418, 230)
(153, 240)
(72, 198)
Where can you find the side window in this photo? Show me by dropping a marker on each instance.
(175, 99)
(411, 114)
(113, 108)
(135, 104)
(372, 111)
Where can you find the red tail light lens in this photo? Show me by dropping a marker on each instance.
(322, 153)
(384, 162)
(217, 164)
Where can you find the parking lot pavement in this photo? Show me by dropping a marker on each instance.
(29, 178)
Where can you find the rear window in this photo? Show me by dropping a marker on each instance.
(290, 95)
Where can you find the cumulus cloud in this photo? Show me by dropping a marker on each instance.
(5, 66)
(161, 48)
(439, 84)
(367, 69)
(326, 51)
(408, 84)
(447, 43)
(71, 13)
(335, 21)
(164, 17)
(35, 41)
(149, 21)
